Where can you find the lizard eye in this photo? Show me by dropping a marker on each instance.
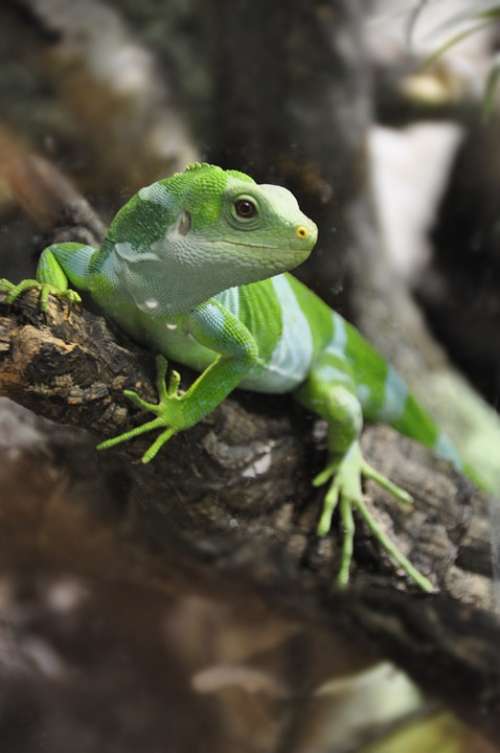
(245, 208)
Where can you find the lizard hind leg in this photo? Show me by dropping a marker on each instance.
(330, 392)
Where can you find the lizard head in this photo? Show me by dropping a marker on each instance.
(202, 231)
(254, 231)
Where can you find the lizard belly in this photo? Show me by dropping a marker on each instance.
(284, 373)
(173, 342)
(284, 341)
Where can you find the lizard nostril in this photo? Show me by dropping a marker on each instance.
(301, 232)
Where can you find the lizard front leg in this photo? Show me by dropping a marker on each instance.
(58, 264)
(216, 328)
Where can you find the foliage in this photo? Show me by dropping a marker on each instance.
(459, 27)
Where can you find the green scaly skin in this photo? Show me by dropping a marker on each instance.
(195, 267)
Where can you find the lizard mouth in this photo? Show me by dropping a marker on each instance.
(265, 247)
(250, 245)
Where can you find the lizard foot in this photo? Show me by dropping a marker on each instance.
(168, 394)
(14, 291)
(346, 493)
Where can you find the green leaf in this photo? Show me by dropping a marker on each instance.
(452, 41)
(413, 18)
(488, 12)
(490, 87)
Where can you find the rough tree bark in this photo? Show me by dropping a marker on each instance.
(232, 495)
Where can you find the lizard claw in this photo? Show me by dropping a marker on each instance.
(173, 383)
(14, 291)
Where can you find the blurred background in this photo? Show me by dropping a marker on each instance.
(382, 116)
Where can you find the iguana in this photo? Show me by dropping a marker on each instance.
(196, 267)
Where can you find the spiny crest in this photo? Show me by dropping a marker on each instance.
(197, 179)
(204, 167)
(193, 172)
(194, 167)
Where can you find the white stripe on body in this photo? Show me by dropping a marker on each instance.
(230, 299)
(292, 356)
(337, 344)
(156, 193)
(395, 394)
(337, 348)
(445, 449)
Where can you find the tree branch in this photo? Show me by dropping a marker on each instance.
(234, 492)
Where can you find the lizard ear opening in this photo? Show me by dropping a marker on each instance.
(184, 224)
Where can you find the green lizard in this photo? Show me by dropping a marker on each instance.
(196, 267)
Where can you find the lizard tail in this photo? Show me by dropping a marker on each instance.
(416, 423)
(403, 412)
(386, 399)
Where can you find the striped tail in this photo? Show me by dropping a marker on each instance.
(416, 423)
